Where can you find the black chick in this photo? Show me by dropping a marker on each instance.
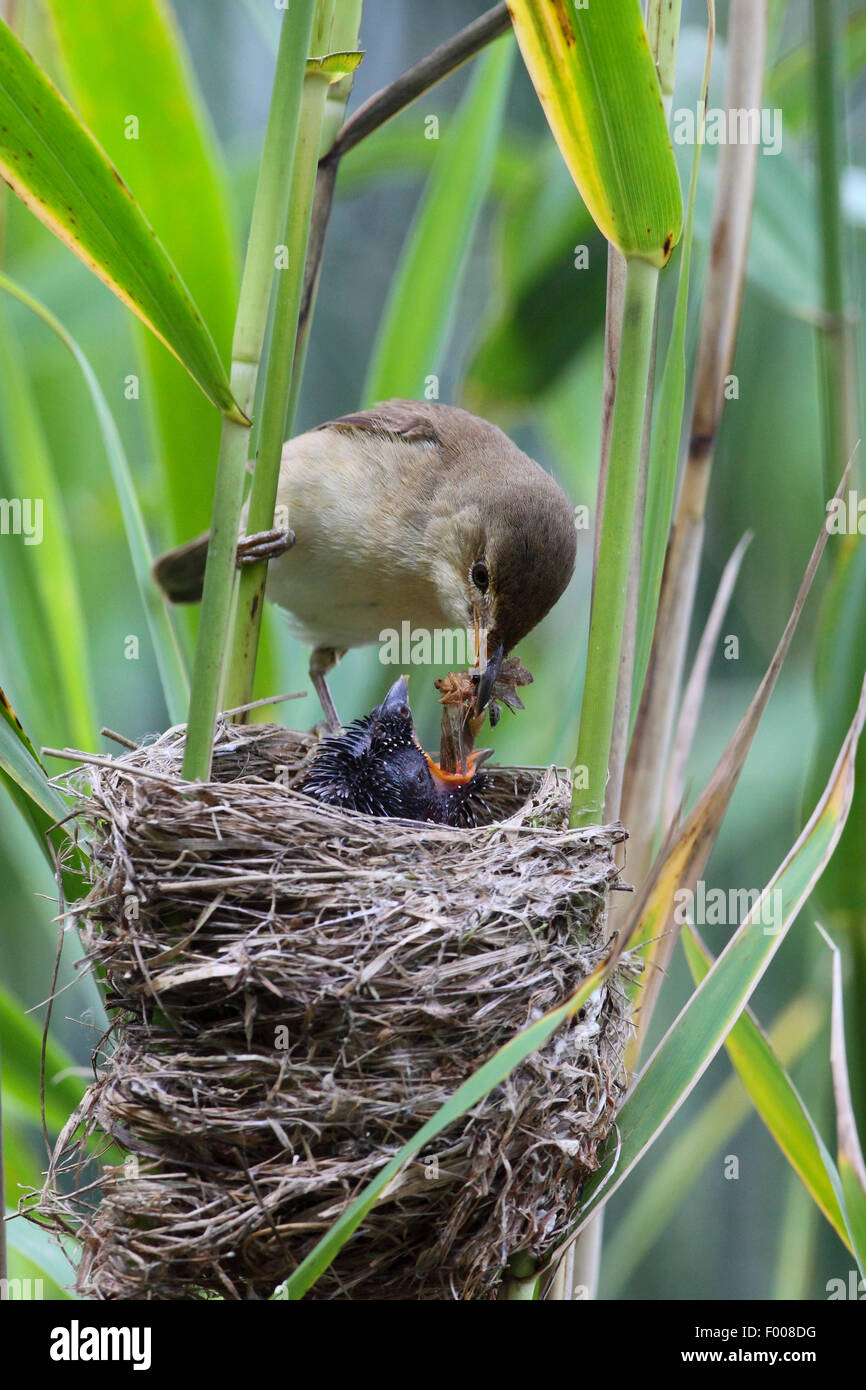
(377, 766)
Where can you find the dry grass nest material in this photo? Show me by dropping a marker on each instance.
(297, 989)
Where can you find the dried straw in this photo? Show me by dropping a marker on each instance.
(297, 989)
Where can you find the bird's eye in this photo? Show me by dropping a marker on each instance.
(480, 576)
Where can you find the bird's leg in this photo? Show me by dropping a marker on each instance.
(321, 662)
(264, 545)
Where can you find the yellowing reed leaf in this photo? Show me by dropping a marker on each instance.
(595, 78)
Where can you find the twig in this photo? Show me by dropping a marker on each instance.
(76, 755)
(378, 109)
(259, 704)
(43, 1050)
(420, 78)
(117, 738)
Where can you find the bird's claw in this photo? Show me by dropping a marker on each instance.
(264, 545)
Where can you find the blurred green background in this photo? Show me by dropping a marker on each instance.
(525, 350)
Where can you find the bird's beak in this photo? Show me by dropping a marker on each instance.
(488, 679)
(397, 700)
(446, 781)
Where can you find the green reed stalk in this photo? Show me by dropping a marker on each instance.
(278, 400)
(614, 556)
(838, 368)
(268, 221)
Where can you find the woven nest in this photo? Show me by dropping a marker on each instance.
(297, 989)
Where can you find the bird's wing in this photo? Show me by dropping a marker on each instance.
(399, 419)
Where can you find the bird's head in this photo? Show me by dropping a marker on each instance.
(505, 560)
(378, 766)
(410, 783)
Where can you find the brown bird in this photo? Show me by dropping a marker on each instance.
(410, 511)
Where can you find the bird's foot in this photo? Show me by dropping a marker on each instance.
(264, 545)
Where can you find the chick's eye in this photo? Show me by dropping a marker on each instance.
(480, 576)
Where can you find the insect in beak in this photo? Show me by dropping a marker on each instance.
(488, 679)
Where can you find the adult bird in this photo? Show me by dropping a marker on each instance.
(410, 511)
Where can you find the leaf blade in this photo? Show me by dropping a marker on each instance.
(50, 568)
(701, 1027)
(138, 63)
(22, 1057)
(19, 760)
(175, 684)
(36, 1246)
(852, 1168)
(595, 78)
(417, 317)
(710, 1132)
(776, 1100)
(665, 442)
(54, 165)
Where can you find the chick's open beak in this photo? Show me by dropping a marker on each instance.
(446, 781)
(488, 679)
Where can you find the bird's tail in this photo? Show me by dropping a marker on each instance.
(180, 572)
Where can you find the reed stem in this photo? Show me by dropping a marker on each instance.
(614, 555)
(732, 213)
(268, 220)
(279, 399)
(345, 37)
(838, 364)
(381, 107)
